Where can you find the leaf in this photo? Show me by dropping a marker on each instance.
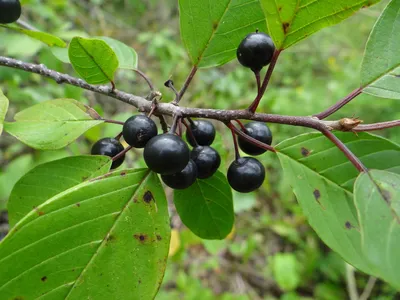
(212, 30)
(52, 124)
(50, 179)
(3, 109)
(377, 198)
(322, 179)
(380, 70)
(206, 207)
(103, 239)
(126, 55)
(93, 59)
(44, 37)
(290, 21)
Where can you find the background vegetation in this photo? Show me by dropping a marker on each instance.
(272, 252)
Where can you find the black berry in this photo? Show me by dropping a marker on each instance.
(183, 179)
(203, 131)
(10, 11)
(166, 154)
(207, 160)
(109, 147)
(246, 174)
(255, 51)
(138, 130)
(259, 131)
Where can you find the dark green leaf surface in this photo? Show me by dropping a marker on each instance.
(290, 21)
(380, 71)
(44, 37)
(52, 124)
(93, 59)
(107, 238)
(3, 109)
(206, 207)
(377, 198)
(322, 179)
(50, 179)
(212, 30)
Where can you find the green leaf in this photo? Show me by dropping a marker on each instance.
(212, 30)
(286, 271)
(44, 37)
(377, 198)
(380, 70)
(52, 124)
(3, 109)
(127, 56)
(93, 59)
(50, 179)
(290, 21)
(107, 238)
(322, 179)
(206, 207)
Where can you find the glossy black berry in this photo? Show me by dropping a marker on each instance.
(138, 130)
(109, 147)
(166, 154)
(259, 131)
(246, 174)
(207, 160)
(10, 11)
(255, 51)
(183, 179)
(203, 131)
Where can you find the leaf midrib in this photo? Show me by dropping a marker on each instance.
(145, 178)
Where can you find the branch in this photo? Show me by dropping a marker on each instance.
(167, 109)
(334, 108)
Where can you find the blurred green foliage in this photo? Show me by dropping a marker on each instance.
(272, 253)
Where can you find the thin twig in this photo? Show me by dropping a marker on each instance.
(235, 142)
(253, 107)
(185, 85)
(26, 25)
(342, 147)
(250, 139)
(368, 288)
(113, 122)
(377, 126)
(189, 130)
(334, 108)
(351, 283)
(146, 78)
(122, 153)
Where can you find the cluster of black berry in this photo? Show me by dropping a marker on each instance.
(168, 155)
(10, 11)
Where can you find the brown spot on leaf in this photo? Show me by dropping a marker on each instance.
(147, 197)
(280, 8)
(110, 238)
(78, 204)
(123, 173)
(285, 26)
(84, 178)
(141, 237)
(348, 225)
(44, 278)
(19, 298)
(40, 213)
(215, 25)
(317, 194)
(305, 152)
(159, 238)
(139, 281)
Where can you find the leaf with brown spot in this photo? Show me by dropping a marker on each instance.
(323, 184)
(291, 21)
(380, 222)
